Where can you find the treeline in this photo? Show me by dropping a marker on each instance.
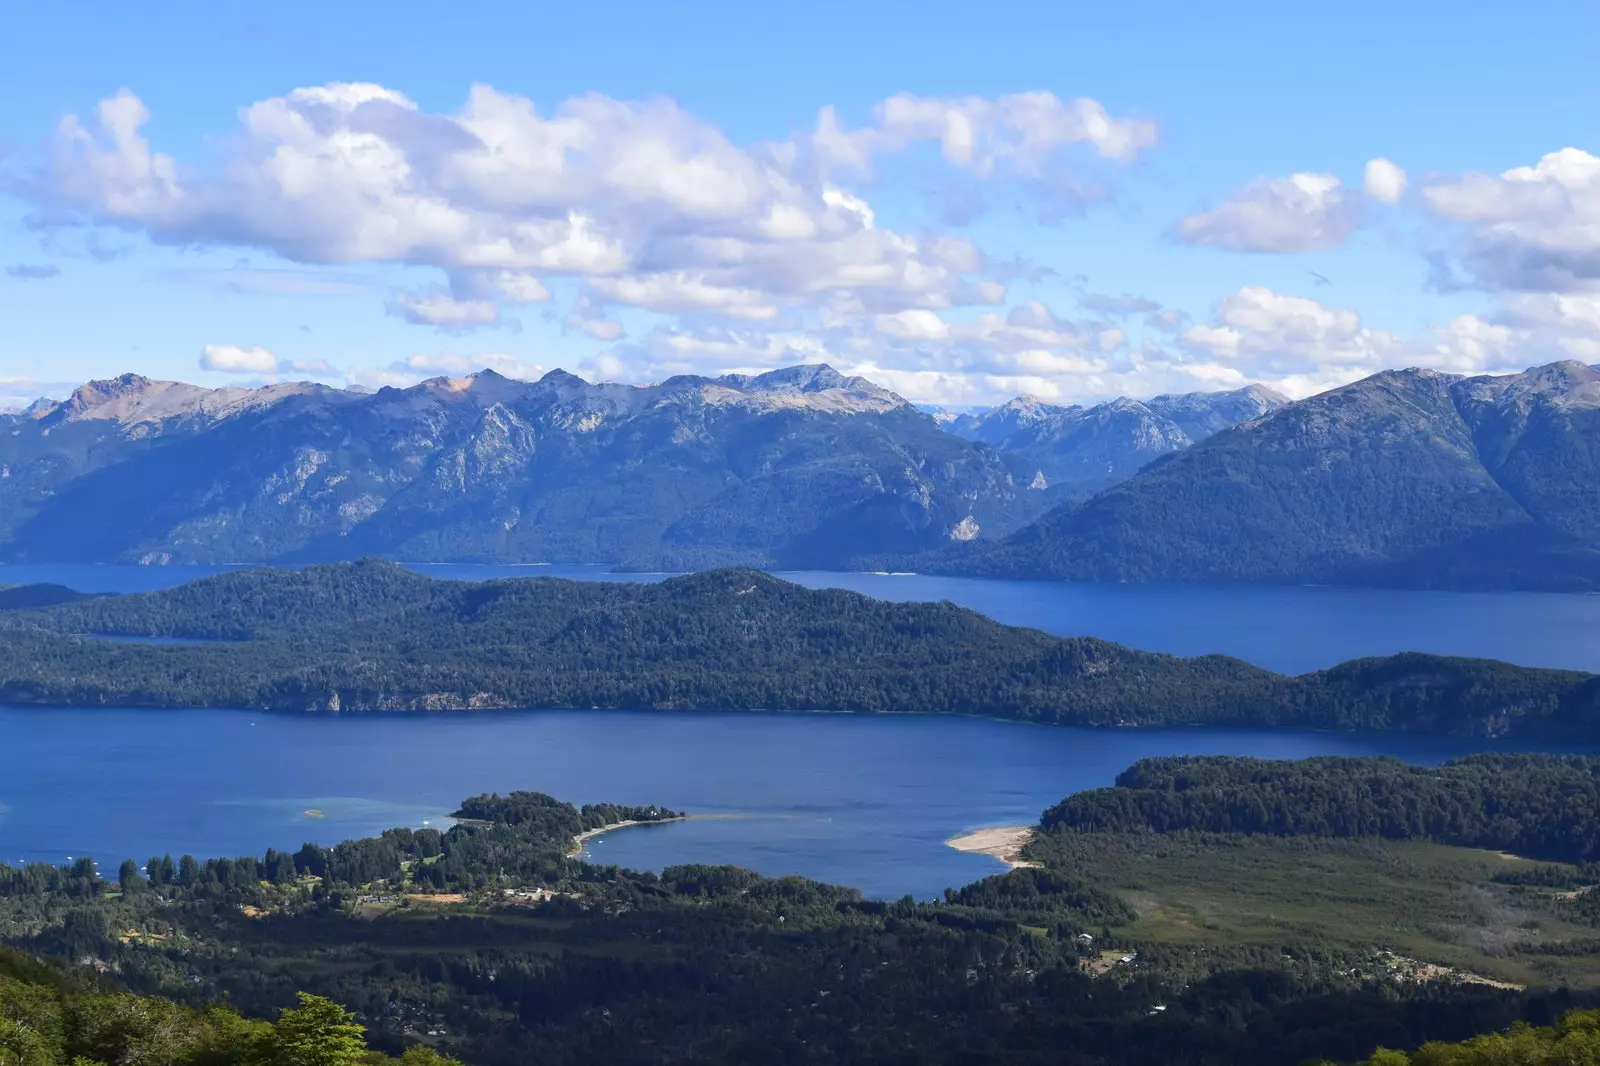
(49, 1019)
(1540, 806)
(552, 817)
(525, 835)
(1572, 1041)
(373, 636)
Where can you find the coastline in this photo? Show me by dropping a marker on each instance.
(576, 850)
(999, 842)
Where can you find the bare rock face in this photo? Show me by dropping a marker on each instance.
(966, 529)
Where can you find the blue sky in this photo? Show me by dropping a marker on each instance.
(1117, 210)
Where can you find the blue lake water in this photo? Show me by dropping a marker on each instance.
(855, 800)
(1286, 628)
(858, 800)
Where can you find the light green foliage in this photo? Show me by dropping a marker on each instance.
(319, 1032)
(1575, 1041)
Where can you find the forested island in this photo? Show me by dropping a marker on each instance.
(489, 943)
(374, 636)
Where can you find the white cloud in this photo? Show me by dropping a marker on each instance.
(1384, 181)
(406, 372)
(1534, 229)
(444, 310)
(651, 205)
(683, 292)
(912, 325)
(1300, 346)
(261, 363)
(1022, 131)
(1300, 213)
(232, 359)
(519, 288)
(601, 329)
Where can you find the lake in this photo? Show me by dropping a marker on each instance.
(858, 800)
(1286, 628)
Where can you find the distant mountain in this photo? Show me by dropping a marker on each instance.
(1408, 477)
(1069, 453)
(797, 467)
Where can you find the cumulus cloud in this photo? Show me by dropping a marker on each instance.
(1384, 181)
(32, 271)
(1533, 228)
(1300, 346)
(232, 359)
(1025, 132)
(404, 373)
(650, 205)
(1300, 213)
(681, 292)
(258, 362)
(439, 308)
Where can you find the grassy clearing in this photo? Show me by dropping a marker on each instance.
(1426, 901)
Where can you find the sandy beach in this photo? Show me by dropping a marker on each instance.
(588, 834)
(1004, 843)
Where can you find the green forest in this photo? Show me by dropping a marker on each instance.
(374, 636)
(1539, 806)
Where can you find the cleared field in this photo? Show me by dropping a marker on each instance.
(1426, 901)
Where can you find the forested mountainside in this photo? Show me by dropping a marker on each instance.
(801, 467)
(492, 942)
(1407, 478)
(1070, 452)
(374, 636)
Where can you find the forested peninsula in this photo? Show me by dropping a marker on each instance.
(373, 636)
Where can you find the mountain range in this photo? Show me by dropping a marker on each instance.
(1408, 477)
(800, 467)
(1070, 453)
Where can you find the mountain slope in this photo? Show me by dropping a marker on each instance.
(1069, 453)
(801, 467)
(1405, 478)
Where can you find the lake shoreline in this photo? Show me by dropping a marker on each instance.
(576, 850)
(1004, 842)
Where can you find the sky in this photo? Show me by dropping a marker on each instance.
(961, 202)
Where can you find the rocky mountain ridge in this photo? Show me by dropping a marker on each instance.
(1071, 452)
(803, 464)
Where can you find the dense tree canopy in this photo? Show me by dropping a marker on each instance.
(1543, 806)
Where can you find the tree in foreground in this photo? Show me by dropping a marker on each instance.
(319, 1033)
